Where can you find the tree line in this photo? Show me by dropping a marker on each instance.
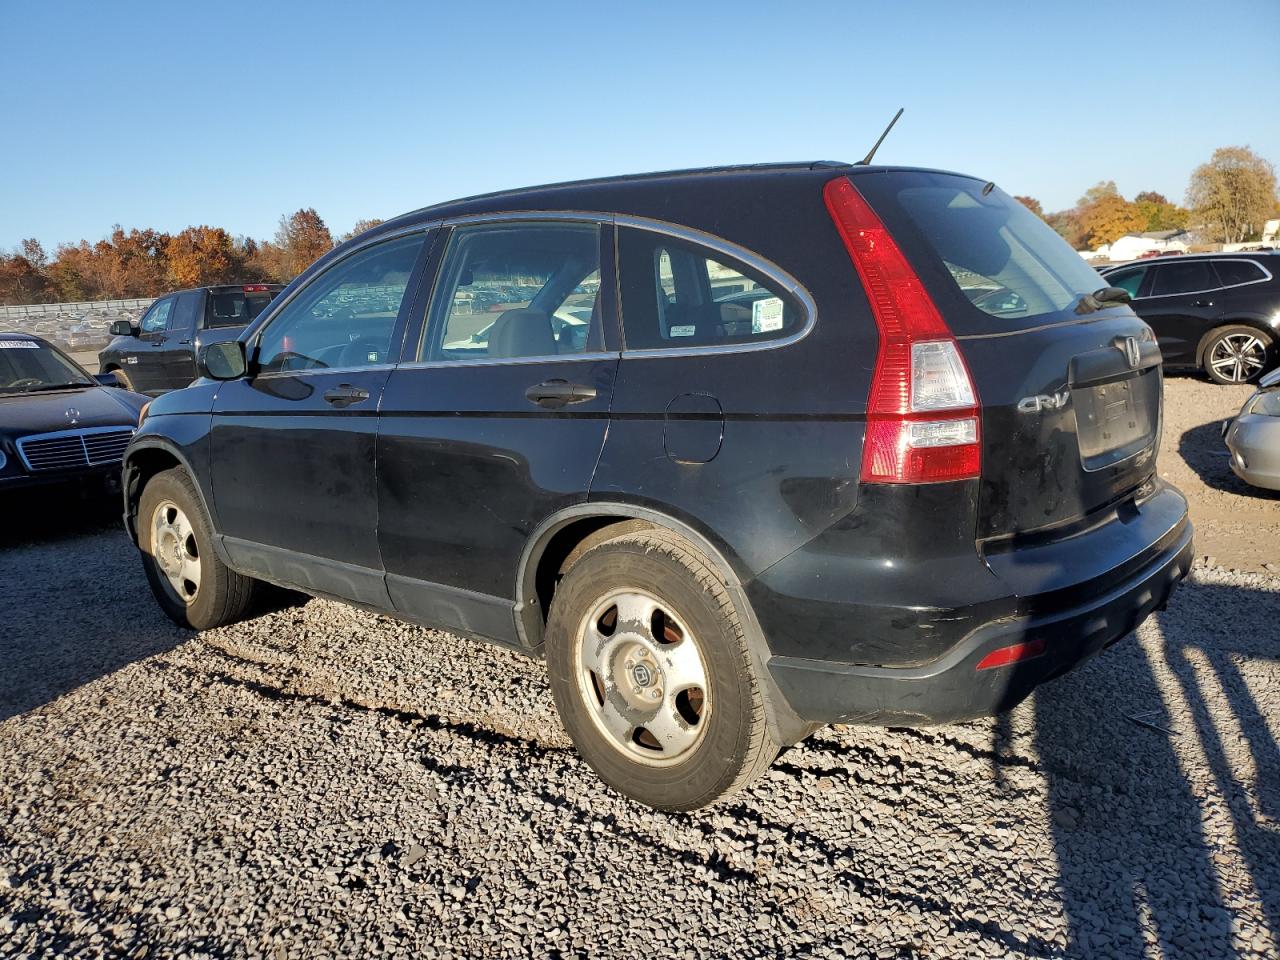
(147, 263)
(1228, 200)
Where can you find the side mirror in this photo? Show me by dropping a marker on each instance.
(123, 328)
(109, 379)
(223, 360)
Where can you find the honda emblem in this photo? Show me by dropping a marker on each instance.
(1132, 352)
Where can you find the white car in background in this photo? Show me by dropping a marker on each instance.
(1253, 436)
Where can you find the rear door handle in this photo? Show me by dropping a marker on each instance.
(557, 393)
(344, 395)
(1202, 303)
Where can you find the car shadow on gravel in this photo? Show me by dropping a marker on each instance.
(1206, 453)
(48, 515)
(1136, 804)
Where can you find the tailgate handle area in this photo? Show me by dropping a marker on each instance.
(1126, 357)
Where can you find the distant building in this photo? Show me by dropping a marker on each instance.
(1134, 245)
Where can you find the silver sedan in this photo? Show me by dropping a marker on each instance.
(1253, 436)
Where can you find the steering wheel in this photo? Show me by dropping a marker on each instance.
(27, 382)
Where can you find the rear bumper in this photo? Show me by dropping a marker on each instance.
(1069, 626)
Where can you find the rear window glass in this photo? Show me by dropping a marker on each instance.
(677, 294)
(1004, 259)
(235, 308)
(1193, 276)
(1233, 272)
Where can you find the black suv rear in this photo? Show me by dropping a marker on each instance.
(739, 451)
(159, 352)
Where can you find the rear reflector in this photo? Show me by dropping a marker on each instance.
(923, 413)
(1014, 654)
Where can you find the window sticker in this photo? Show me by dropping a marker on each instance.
(766, 315)
(19, 345)
(683, 330)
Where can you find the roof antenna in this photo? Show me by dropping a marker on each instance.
(867, 159)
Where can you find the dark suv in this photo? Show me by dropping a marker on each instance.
(159, 352)
(1219, 313)
(838, 444)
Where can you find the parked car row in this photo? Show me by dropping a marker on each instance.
(843, 444)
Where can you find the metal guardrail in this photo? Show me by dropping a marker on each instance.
(37, 310)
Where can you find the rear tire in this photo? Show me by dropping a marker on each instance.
(651, 674)
(194, 588)
(1236, 354)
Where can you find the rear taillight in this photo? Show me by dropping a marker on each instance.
(923, 413)
(254, 288)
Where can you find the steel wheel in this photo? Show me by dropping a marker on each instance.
(1237, 357)
(173, 544)
(642, 677)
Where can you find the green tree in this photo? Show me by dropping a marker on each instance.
(1232, 195)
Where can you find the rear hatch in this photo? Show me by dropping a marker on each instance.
(1069, 390)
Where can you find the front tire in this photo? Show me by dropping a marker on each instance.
(124, 379)
(194, 588)
(1236, 354)
(651, 674)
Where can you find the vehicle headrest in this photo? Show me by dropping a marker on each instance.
(522, 333)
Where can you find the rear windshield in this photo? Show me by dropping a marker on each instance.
(1000, 256)
(235, 308)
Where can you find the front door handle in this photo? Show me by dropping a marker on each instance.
(344, 395)
(557, 393)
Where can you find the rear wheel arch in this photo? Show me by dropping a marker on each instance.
(568, 534)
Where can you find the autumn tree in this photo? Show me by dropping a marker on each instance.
(1232, 195)
(21, 279)
(202, 255)
(1109, 218)
(1032, 204)
(301, 239)
(359, 227)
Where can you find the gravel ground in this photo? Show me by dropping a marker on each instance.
(320, 781)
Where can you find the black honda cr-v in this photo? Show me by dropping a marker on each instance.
(738, 451)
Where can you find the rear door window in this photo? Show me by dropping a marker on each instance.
(678, 294)
(184, 312)
(235, 308)
(973, 237)
(1235, 272)
(1189, 276)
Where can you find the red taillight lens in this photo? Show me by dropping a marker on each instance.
(254, 288)
(923, 414)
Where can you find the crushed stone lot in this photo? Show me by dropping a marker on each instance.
(320, 781)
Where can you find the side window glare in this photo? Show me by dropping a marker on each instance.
(157, 318)
(516, 290)
(678, 294)
(346, 316)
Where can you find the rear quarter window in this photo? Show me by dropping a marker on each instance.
(677, 294)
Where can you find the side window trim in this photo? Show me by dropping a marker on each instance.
(1212, 264)
(254, 335)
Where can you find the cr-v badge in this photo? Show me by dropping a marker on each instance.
(1052, 401)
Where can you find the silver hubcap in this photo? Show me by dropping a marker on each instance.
(1237, 357)
(173, 545)
(642, 677)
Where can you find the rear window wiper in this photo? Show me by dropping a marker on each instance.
(1101, 298)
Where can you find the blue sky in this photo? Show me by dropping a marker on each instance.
(171, 114)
